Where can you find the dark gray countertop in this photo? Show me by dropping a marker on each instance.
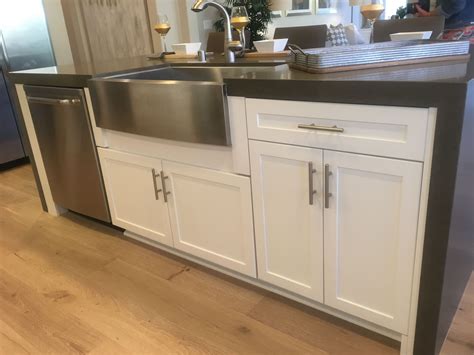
(77, 75)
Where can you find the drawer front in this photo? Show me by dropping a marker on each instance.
(398, 132)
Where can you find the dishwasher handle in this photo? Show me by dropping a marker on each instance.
(48, 101)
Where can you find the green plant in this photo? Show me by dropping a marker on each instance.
(259, 16)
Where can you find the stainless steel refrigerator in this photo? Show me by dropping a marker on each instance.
(24, 44)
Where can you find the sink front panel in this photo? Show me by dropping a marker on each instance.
(187, 111)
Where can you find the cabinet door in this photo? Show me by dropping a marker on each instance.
(288, 228)
(370, 229)
(211, 215)
(130, 182)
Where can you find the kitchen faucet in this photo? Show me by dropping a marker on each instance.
(230, 46)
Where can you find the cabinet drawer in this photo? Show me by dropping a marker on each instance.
(398, 132)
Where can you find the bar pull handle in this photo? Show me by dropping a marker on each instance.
(327, 194)
(321, 128)
(163, 183)
(155, 185)
(312, 191)
(48, 101)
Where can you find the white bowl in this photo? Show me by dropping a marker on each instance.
(187, 48)
(271, 46)
(408, 36)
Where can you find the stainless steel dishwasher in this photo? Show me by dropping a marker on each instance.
(62, 125)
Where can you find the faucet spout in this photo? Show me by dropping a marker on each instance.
(201, 5)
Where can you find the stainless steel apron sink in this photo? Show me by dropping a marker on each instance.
(178, 103)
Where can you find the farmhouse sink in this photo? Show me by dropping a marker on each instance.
(178, 103)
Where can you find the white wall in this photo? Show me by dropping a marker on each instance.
(57, 31)
(201, 23)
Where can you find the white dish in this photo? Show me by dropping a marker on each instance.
(187, 48)
(271, 46)
(408, 36)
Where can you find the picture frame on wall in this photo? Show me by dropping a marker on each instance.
(301, 7)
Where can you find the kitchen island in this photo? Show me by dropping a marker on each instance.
(413, 124)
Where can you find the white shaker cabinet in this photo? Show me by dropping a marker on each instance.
(205, 213)
(211, 215)
(287, 195)
(136, 201)
(370, 231)
(352, 246)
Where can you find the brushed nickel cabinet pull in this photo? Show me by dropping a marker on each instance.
(163, 183)
(312, 191)
(321, 128)
(157, 191)
(327, 194)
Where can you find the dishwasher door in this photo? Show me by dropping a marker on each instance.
(68, 149)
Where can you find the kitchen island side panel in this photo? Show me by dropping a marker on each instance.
(460, 252)
(449, 127)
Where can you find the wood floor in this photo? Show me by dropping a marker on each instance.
(460, 339)
(69, 285)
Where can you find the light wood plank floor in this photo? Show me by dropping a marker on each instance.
(69, 285)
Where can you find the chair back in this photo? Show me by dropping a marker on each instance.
(304, 36)
(384, 28)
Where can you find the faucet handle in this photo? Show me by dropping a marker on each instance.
(201, 55)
